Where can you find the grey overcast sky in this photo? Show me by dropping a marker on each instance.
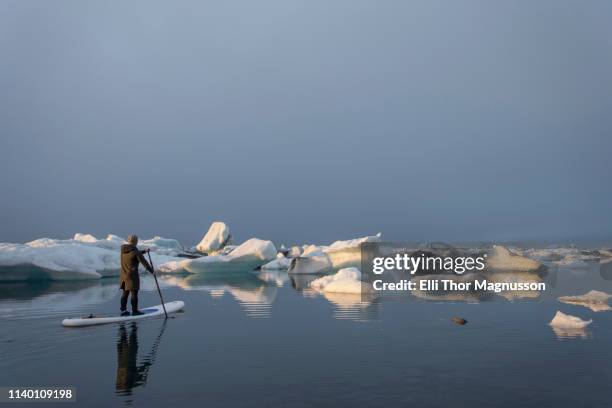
(306, 121)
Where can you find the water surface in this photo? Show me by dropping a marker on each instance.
(249, 339)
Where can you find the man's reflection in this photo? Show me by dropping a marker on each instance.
(130, 374)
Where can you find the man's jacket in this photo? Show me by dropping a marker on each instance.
(131, 256)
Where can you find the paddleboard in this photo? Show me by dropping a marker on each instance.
(171, 307)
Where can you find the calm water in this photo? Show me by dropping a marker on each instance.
(248, 339)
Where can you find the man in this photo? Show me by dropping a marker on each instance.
(131, 256)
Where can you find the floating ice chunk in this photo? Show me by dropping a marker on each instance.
(281, 263)
(340, 254)
(595, 300)
(72, 259)
(345, 254)
(215, 239)
(57, 260)
(569, 258)
(346, 280)
(564, 321)
(248, 256)
(502, 259)
(571, 261)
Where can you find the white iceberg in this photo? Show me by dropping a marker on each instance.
(502, 259)
(340, 254)
(215, 239)
(346, 280)
(84, 257)
(248, 256)
(564, 321)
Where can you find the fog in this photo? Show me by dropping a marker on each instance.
(306, 121)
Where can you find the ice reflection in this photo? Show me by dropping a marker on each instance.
(563, 333)
(348, 306)
(32, 299)
(254, 294)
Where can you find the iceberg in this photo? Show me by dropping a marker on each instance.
(338, 255)
(248, 256)
(502, 259)
(346, 280)
(564, 321)
(83, 257)
(595, 300)
(216, 238)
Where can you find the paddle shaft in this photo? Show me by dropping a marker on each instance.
(157, 284)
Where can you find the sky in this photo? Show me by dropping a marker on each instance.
(306, 121)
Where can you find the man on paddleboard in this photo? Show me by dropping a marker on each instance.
(131, 256)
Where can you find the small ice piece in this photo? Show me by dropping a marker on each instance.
(215, 239)
(502, 259)
(564, 321)
(595, 300)
(346, 280)
(281, 263)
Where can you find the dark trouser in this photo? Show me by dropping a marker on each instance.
(124, 299)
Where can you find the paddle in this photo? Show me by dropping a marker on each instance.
(157, 284)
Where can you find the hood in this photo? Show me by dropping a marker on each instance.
(127, 248)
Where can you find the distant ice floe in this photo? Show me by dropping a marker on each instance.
(248, 256)
(595, 300)
(502, 259)
(347, 280)
(564, 321)
(216, 238)
(340, 254)
(569, 258)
